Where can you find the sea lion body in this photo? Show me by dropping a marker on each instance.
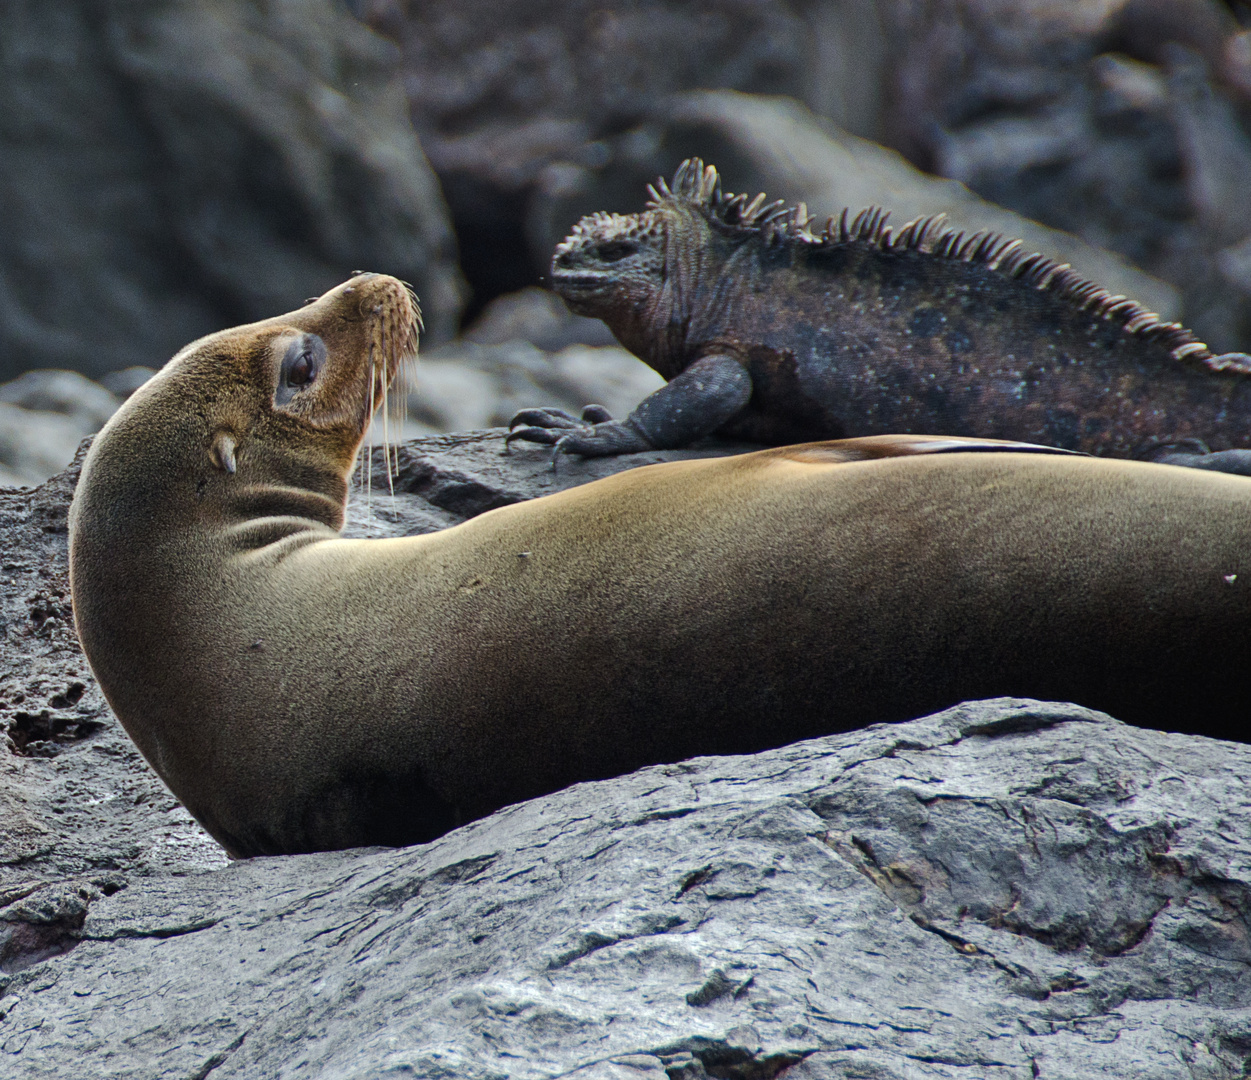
(301, 691)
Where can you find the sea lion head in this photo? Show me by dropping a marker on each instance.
(313, 377)
(275, 406)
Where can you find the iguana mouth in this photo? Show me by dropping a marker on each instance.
(580, 279)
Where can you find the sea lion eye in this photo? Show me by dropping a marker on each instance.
(301, 365)
(303, 371)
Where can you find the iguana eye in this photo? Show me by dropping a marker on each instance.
(616, 250)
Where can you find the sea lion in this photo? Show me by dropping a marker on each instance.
(300, 691)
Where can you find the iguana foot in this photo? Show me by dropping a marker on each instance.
(595, 434)
(693, 404)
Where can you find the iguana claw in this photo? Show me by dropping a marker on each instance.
(595, 434)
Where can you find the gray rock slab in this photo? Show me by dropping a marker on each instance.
(1009, 889)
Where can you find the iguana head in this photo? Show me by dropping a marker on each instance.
(613, 261)
(641, 273)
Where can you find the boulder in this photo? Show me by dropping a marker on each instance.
(525, 350)
(43, 417)
(1012, 888)
(464, 385)
(538, 316)
(1009, 889)
(35, 444)
(172, 167)
(66, 392)
(125, 382)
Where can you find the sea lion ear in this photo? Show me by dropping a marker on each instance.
(223, 452)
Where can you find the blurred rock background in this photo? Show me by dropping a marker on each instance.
(171, 167)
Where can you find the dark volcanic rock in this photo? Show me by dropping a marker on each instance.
(1010, 889)
(1128, 124)
(514, 99)
(171, 167)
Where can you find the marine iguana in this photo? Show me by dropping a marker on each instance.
(771, 332)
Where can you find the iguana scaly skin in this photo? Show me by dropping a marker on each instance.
(771, 332)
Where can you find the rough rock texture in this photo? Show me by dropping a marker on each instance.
(1010, 889)
(1126, 122)
(174, 166)
(508, 98)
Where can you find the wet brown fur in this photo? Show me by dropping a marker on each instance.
(302, 691)
(854, 329)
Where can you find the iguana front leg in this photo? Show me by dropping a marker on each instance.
(694, 404)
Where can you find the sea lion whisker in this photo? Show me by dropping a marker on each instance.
(369, 455)
(387, 375)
